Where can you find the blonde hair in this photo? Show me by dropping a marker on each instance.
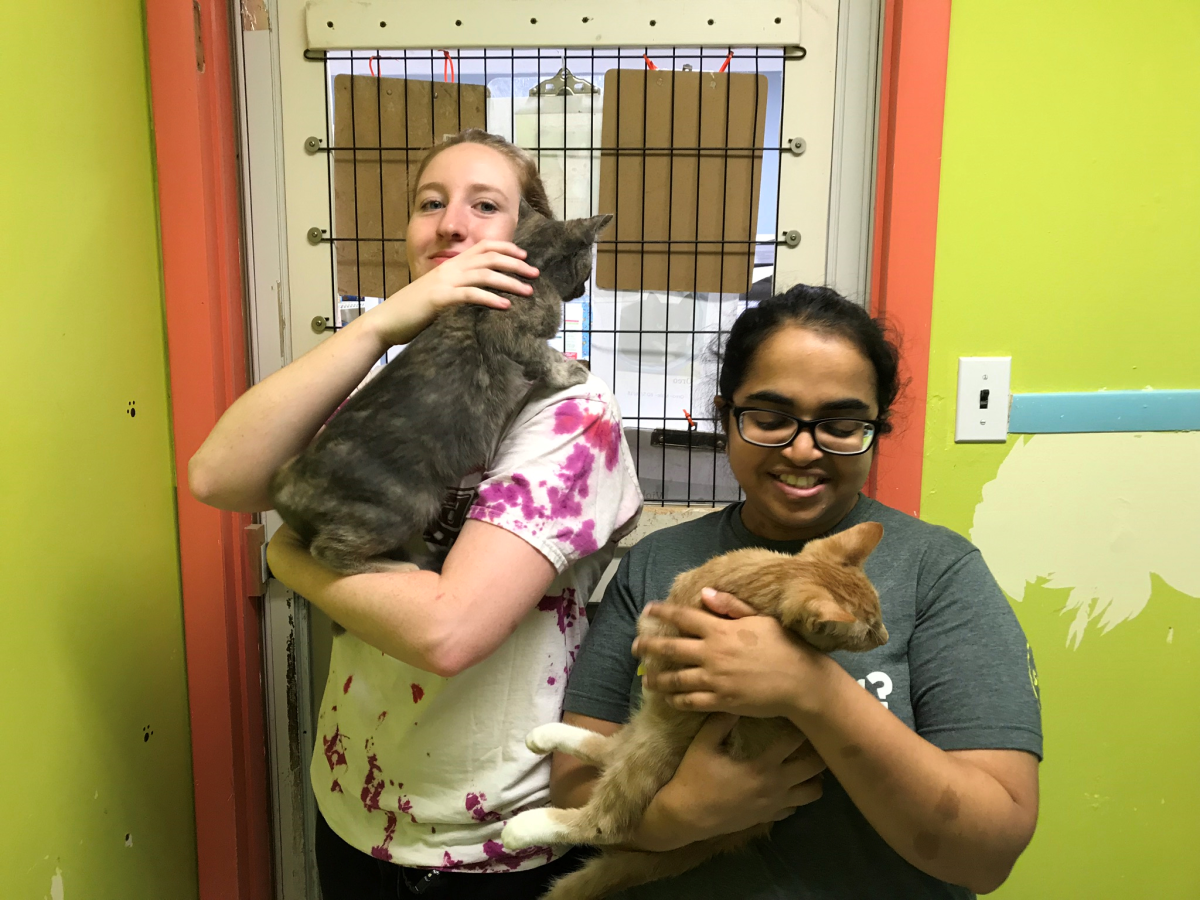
(532, 189)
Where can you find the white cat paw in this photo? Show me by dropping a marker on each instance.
(532, 828)
(553, 736)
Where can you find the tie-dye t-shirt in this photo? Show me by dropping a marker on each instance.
(423, 770)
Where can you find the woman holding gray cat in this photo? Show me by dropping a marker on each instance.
(931, 741)
(439, 675)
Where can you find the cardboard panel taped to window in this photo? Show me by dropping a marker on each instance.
(680, 168)
(370, 185)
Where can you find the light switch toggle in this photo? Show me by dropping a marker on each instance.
(981, 414)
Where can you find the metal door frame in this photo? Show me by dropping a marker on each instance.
(288, 280)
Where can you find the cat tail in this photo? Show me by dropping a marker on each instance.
(615, 870)
(611, 871)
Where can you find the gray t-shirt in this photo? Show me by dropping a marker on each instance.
(956, 668)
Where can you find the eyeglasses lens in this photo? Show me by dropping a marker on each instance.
(832, 435)
(844, 435)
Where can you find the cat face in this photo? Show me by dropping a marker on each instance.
(468, 193)
(560, 250)
(838, 607)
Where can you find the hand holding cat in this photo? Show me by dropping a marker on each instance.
(289, 560)
(749, 665)
(713, 794)
(463, 278)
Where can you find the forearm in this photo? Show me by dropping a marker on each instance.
(442, 623)
(277, 418)
(945, 816)
(399, 614)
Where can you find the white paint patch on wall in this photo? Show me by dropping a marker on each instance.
(56, 885)
(1097, 513)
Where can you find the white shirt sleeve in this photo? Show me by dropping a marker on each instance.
(563, 478)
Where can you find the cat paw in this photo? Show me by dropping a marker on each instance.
(576, 374)
(565, 373)
(552, 736)
(532, 828)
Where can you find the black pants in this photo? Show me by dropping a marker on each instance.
(349, 874)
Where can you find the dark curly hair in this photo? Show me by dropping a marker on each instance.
(823, 310)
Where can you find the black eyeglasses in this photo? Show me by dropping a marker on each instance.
(771, 428)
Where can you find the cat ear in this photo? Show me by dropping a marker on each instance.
(526, 212)
(596, 224)
(852, 546)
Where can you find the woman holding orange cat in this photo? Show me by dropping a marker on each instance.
(420, 750)
(931, 741)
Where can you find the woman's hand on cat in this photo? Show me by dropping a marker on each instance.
(464, 278)
(726, 605)
(712, 794)
(284, 549)
(750, 665)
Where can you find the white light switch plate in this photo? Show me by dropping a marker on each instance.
(983, 397)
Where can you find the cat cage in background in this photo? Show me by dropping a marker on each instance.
(710, 136)
(682, 147)
(734, 143)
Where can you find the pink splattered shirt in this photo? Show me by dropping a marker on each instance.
(424, 770)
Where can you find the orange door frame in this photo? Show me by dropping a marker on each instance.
(200, 225)
(196, 151)
(912, 95)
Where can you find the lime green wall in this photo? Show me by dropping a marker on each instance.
(1069, 237)
(92, 685)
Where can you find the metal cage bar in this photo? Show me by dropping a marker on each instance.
(652, 423)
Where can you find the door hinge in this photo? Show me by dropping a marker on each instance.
(256, 560)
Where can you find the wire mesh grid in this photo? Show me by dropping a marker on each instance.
(702, 179)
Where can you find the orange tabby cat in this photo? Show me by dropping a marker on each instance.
(820, 593)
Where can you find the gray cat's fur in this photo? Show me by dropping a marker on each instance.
(376, 475)
(822, 594)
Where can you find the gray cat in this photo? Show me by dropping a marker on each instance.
(376, 475)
